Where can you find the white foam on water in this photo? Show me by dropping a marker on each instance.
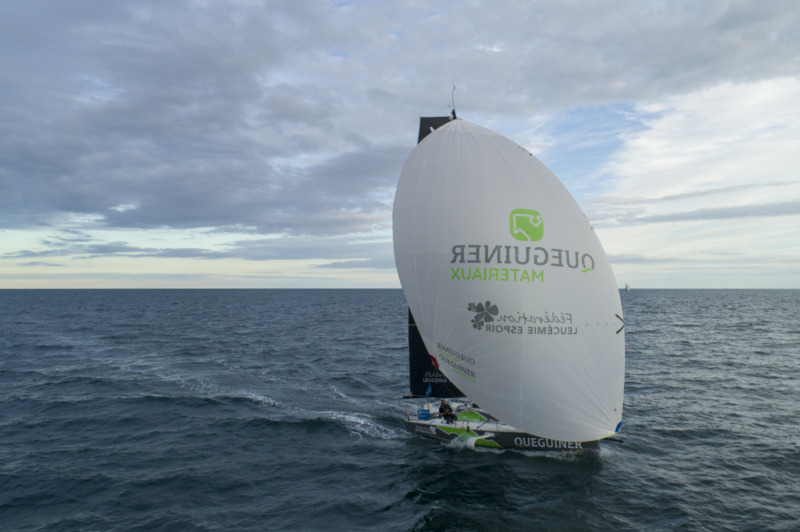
(337, 393)
(258, 398)
(361, 425)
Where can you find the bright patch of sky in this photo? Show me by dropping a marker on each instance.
(239, 144)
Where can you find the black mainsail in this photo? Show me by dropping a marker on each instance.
(425, 379)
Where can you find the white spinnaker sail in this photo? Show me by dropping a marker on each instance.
(509, 285)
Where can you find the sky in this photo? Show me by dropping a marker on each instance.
(258, 144)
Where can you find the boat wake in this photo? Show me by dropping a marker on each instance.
(362, 425)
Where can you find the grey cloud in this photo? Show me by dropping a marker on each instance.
(372, 253)
(366, 263)
(334, 247)
(642, 259)
(787, 208)
(41, 263)
(83, 248)
(623, 200)
(294, 118)
(614, 211)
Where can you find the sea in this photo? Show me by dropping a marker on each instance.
(283, 410)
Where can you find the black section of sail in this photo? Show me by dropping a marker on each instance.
(424, 377)
(429, 123)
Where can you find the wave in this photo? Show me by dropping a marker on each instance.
(361, 424)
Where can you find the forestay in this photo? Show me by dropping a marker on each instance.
(509, 285)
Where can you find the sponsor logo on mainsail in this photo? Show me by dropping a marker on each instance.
(460, 363)
(483, 313)
(526, 225)
(488, 318)
(515, 263)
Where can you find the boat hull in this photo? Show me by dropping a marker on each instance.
(477, 428)
(496, 439)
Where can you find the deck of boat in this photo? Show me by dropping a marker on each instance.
(477, 428)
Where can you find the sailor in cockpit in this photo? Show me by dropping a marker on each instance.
(446, 412)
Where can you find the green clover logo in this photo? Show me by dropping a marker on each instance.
(483, 313)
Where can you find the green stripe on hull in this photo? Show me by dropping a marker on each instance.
(468, 434)
(457, 430)
(499, 440)
(487, 443)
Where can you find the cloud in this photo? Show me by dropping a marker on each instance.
(284, 126)
(717, 153)
(41, 263)
(786, 208)
(202, 113)
(343, 250)
(689, 195)
(709, 185)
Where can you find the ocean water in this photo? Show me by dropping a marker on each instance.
(282, 410)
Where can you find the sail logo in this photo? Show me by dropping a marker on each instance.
(526, 225)
(483, 313)
(542, 324)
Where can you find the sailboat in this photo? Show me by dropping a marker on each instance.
(513, 307)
